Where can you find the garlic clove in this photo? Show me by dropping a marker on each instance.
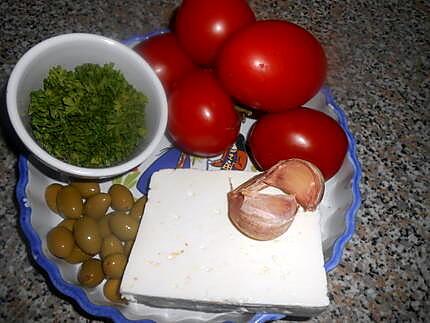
(299, 178)
(261, 216)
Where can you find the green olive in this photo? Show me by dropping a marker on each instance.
(114, 265)
(87, 189)
(138, 207)
(60, 242)
(111, 290)
(96, 206)
(91, 273)
(51, 196)
(110, 246)
(77, 256)
(69, 202)
(104, 226)
(87, 235)
(128, 245)
(68, 224)
(123, 226)
(122, 199)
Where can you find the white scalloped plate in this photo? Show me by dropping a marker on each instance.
(338, 209)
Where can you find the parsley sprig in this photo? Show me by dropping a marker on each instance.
(89, 117)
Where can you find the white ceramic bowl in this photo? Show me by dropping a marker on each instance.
(68, 51)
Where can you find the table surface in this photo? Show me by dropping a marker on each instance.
(378, 55)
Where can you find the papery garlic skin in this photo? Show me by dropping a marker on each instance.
(300, 178)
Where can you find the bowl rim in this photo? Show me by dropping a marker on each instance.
(78, 294)
(44, 156)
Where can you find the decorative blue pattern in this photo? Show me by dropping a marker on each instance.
(139, 38)
(79, 295)
(265, 317)
(168, 159)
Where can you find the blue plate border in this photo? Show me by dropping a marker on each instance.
(78, 293)
(350, 215)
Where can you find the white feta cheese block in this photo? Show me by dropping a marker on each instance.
(188, 254)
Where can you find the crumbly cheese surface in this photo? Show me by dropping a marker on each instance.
(187, 248)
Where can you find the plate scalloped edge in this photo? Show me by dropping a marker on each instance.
(341, 242)
(78, 293)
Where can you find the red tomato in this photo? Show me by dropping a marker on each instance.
(272, 66)
(166, 58)
(299, 133)
(202, 119)
(202, 26)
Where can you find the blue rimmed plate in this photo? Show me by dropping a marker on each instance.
(338, 209)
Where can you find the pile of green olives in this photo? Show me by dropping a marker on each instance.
(98, 231)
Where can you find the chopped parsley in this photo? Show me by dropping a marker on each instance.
(88, 117)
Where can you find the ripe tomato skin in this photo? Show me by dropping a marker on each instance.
(202, 120)
(202, 26)
(298, 133)
(166, 58)
(272, 66)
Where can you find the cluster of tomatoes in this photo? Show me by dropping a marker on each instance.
(219, 56)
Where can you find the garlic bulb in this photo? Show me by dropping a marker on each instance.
(264, 216)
